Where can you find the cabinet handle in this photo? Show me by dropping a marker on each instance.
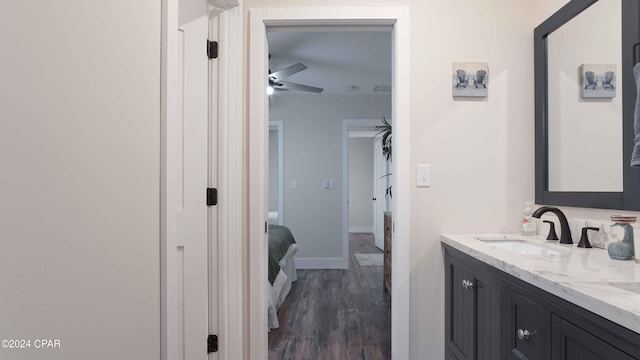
(523, 334)
(467, 284)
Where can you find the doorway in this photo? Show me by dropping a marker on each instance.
(398, 19)
(276, 172)
(380, 179)
(349, 65)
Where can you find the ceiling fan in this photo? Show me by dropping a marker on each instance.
(276, 83)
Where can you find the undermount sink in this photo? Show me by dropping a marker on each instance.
(517, 246)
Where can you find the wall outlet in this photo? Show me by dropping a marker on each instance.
(294, 184)
(328, 183)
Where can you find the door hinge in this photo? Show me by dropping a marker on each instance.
(212, 196)
(212, 49)
(212, 344)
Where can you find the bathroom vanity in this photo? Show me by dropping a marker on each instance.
(518, 297)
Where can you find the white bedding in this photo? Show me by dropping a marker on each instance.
(277, 292)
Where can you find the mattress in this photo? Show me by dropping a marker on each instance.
(280, 239)
(278, 291)
(282, 270)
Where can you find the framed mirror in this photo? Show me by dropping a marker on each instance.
(585, 96)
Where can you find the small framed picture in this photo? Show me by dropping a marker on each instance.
(470, 79)
(598, 80)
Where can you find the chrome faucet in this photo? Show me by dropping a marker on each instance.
(565, 233)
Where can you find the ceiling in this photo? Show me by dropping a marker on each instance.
(336, 60)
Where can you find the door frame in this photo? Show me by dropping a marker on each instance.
(379, 237)
(398, 17)
(229, 161)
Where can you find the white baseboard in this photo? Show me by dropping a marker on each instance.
(360, 229)
(321, 263)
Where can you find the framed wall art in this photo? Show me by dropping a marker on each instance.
(598, 80)
(470, 79)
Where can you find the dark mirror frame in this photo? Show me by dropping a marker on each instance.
(629, 198)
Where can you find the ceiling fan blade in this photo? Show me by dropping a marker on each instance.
(292, 86)
(286, 72)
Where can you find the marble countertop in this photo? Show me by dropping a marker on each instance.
(585, 277)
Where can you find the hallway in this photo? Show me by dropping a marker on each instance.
(336, 314)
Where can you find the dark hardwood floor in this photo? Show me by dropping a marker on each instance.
(336, 314)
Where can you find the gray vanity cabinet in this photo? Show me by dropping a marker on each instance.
(459, 309)
(492, 315)
(570, 342)
(472, 312)
(526, 327)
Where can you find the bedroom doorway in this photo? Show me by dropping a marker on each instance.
(276, 172)
(373, 197)
(398, 19)
(324, 73)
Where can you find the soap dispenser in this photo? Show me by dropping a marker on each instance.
(623, 250)
(528, 226)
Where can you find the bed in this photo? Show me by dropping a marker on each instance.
(282, 270)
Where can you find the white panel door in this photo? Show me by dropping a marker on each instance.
(192, 212)
(380, 187)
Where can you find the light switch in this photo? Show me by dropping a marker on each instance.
(294, 184)
(328, 184)
(424, 175)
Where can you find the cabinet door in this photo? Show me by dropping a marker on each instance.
(459, 307)
(486, 316)
(570, 342)
(526, 327)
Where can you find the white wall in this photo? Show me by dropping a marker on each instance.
(481, 152)
(80, 183)
(313, 143)
(361, 184)
(189, 10)
(546, 8)
(585, 134)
